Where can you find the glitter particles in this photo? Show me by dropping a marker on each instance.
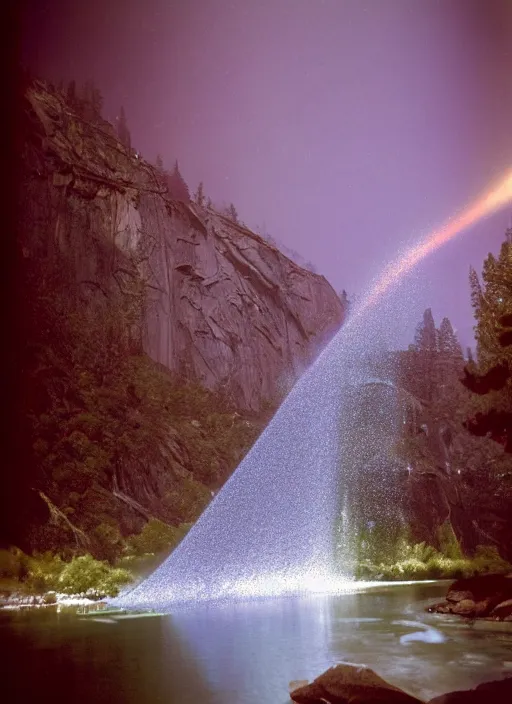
(283, 523)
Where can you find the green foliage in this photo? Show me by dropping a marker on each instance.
(421, 561)
(14, 564)
(44, 572)
(448, 543)
(84, 574)
(100, 416)
(156, 537)
(108, 539)
(47, 573)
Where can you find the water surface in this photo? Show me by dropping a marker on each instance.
(247, 652)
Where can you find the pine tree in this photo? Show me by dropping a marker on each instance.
(122, 130)
(448, 343)
(91, 102)
(209, 203)
(345, 303)
(492, 303)
(97, 101)
(232, 213)
(176, 185)
(450, 359)
(199, 195)
(71, 93)
(159, 163)
(426, 333)
(425, 358)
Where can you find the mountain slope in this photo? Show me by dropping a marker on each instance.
(222, 306)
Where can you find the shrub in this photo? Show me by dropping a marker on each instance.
(84, 573)
(487, 559)
(44, 571)
(448, 544)
(13, 564)
(108, 541)
(157, 537)
(421, 561)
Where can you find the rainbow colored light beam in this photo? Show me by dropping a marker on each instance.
(489, 203)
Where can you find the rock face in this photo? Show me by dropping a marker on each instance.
(222, 306)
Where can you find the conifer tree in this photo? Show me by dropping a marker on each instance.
(232, 213)
(426, 333)
(122, 130)
(176, 185)
(159, 163)
(492, 381)
(199, 195)
(91, 101)
(71, 93)
(447, 340)
(450, 358)
(425, 358)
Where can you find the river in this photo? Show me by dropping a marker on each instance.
(247, 652)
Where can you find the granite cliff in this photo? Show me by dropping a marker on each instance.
(155, 337)
(221, 305)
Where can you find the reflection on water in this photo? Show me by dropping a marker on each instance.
(248, 652)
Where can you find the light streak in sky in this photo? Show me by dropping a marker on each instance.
(489, 203)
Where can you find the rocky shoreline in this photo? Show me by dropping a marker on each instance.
(18, 601)
(487, 597)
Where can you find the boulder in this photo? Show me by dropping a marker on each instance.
(465, 607)
(478, 597)
(498, 692)
(495, 587)
(350, 684)
(456, 595)
(503, 610)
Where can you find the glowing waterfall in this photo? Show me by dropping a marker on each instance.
(269, 530)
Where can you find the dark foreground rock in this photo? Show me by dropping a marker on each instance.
(358, 684)
(350, 684)
(487, 693)
(485, 596)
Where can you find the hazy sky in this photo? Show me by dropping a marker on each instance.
(346, 127)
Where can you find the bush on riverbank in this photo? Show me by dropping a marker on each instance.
(422, 562)
(47, 572)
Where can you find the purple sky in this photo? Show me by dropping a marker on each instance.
(345, 127)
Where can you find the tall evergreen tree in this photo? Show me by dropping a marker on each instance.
(176, 185)
(450, 359)
(425, 358)
(122, 130)
(71, 93)
(159, 162)
(492, 381)
(231, 212)
(426, 333)
(448, 343)
(91, 101)
(199, 194)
